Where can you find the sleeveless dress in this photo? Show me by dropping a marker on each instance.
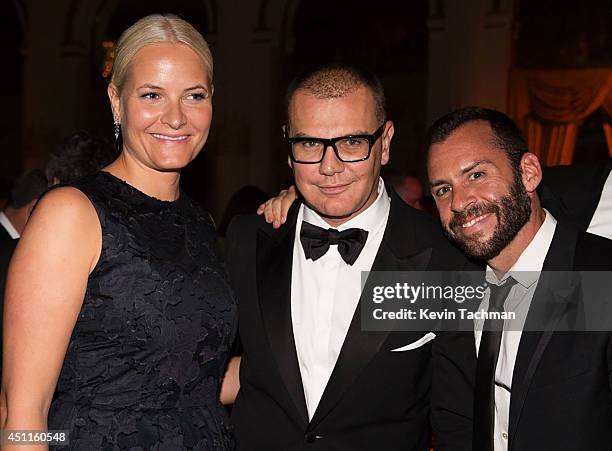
(148, 352)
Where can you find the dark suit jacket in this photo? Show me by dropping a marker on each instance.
(571, 193)
(561, 396)
(375, 399)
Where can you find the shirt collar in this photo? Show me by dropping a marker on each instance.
(527, 267)
(369, 220)
(8, 225)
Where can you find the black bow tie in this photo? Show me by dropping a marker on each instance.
(316, 241)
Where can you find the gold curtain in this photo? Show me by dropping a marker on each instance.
(607, 126)
(550, 105)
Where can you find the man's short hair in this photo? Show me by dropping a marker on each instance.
(337, 80)
(506, 134)
(79, 154)
(28, 187)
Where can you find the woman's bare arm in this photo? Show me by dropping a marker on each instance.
(231, 381)
(46, 284)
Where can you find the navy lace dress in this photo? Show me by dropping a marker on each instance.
(151, 342)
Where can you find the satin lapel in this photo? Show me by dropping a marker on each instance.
(360, 347)
(552, 296)
(274, 263)
(599, 184)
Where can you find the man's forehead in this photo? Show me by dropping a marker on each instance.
(352, 113)
(474, 140)
(356, 94)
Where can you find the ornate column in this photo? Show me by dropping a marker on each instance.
(55, 76)
(247, 67)
(469, 56)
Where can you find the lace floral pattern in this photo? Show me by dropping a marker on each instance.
(150, 346)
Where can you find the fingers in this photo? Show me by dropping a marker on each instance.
(286, 201)
(262, 208)
(275, 209)
(272, 210)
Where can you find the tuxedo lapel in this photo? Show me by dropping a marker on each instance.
(551, 301)
(274, 264)
(359, 347)
(599, 184)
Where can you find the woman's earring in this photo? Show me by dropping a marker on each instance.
(117, 129)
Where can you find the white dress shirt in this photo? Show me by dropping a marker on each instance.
(526, 272)
(601, 222)
(6, 223)
(326, 292)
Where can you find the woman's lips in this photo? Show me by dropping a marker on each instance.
(170, 138)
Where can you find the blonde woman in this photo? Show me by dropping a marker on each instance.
(116, 298)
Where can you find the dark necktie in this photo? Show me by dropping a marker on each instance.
(316, 241)
(484, 393)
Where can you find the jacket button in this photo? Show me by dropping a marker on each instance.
(311, 437)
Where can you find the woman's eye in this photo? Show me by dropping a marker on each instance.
(198, 96)
(150, 95)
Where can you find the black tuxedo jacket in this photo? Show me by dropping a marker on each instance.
(561, 386)
(561, 396)
(375, 399)
(571, 193)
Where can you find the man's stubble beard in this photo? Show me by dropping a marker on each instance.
(512, 213)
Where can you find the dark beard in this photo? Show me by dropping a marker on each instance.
(512, 214)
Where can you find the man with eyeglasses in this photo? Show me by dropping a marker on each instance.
(310, 377)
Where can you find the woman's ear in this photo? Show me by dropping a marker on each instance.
(115, 101)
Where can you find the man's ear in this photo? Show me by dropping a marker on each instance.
(386, 138)
(115, 101)
(285, 132)
(531, 171)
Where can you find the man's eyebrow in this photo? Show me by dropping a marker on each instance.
(463, 171)
(474, 165)
(304, 135)
(301, 135)
(435, 183)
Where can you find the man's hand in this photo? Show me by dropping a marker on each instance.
(275, 209)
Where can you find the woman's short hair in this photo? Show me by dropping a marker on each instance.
(154, 29)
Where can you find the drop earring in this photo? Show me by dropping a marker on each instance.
(117, 129)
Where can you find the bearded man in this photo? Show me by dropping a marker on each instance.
(543, 389)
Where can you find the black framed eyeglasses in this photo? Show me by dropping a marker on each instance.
(348, 149)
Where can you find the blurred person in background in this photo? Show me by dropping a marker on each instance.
(409, 188)
(81, 153)
(22, 197)
(244, 201)
(5, 188)
(580, 195)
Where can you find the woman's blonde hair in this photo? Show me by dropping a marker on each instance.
(153, 29)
